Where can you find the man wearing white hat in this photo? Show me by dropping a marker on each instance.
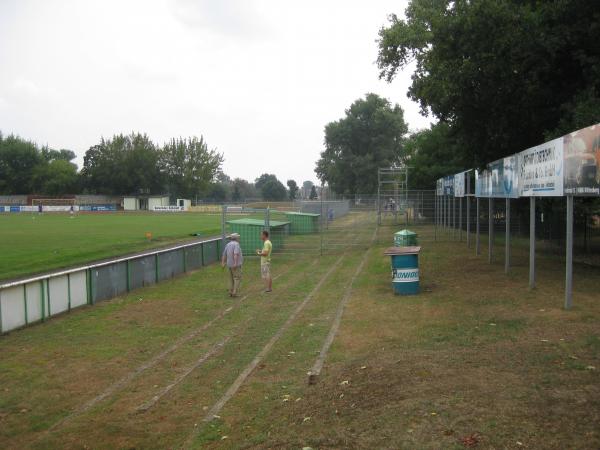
(233, 257)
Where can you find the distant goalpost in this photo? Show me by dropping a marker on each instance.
(52, 201)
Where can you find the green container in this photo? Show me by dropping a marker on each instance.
(251, 229)
(303, 223)
(405, 238)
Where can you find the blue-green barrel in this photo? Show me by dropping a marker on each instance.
(405, 274)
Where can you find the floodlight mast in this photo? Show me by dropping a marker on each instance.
(392, 187)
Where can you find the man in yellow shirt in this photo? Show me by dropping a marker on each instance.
(265, 260)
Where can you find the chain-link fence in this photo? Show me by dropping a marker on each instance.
(550, 228)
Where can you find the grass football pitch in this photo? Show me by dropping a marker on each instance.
(475, 361)
(32, 243)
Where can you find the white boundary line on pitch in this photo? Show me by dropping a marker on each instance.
(216, 408)
(318, 366)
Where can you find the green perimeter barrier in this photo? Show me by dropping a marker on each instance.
(31, 300)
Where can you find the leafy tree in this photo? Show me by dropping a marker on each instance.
(306, 187)
(18, 162)
(432, 154)
(236, 196)
(263, 179)
(313, 193)
(368, 137)
(503, 74)
(123, 164)
(58, 177)
(270, 187)
(293, 189)
(218, 192)
(189, 166)
(246, 189)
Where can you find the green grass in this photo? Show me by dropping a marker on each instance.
(32, 243)
(475, 354)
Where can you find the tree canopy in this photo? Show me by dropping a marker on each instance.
(503, 74)
(270, 187)
(292, 189)
(369, 136)
(25, 168)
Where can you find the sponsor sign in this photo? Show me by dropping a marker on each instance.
(448, 185)
(541, 170)
(168, 208)
(107, 207)
(459, 184)
(483, 183)
(439, 187)
(405, 275)
(502, 178)
(582, 162)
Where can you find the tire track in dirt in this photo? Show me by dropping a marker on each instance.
(315, 371)
(126, 379)
(211, 352)
(232, 390)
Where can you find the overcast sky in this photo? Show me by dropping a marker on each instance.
(259, 79)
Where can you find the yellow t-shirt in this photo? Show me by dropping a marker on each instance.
(267, 247)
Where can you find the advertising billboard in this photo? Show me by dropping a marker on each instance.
(541, 170)
(459, 184)
(449, 185)
(582, 162)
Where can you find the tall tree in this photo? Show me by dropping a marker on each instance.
(18, 162)
(368, 137)
(190, 167)
(313, 193)
(306, 187)
(247, 190)
(292, 188)
(123, 165)
(270, 187)
(432, 154)
(504, 74)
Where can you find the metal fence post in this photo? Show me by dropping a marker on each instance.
(43, 300)
(223, 214)
(569, 251)
(69, 290)
(435, 217)
(477, 228)
(460, 215)
(468, 200)
(507, 238)
(490, 230)
(156, 266)
(25, 305)
(531, 242)
(453, 217)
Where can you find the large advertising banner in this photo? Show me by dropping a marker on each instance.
(459, 184)
(449, 185)
(483, 183)
(503, 179)
(439, 187)
(541, 170)
(582, 162)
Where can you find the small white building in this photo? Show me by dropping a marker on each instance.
(144, 202)
(184, 203)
